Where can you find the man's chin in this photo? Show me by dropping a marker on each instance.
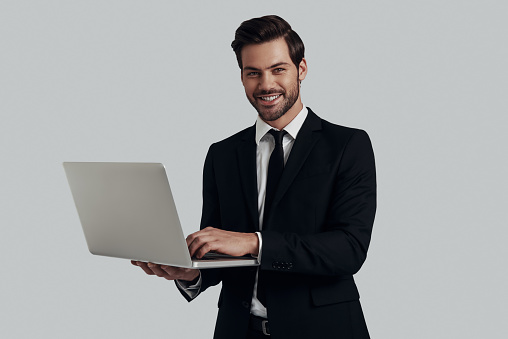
(269, 112)
(269, 115)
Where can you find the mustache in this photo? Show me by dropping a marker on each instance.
(271, 91)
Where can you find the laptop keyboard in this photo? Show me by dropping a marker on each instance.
(219, 256)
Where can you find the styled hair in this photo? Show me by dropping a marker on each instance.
(266, 29)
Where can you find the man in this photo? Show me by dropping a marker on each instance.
(295, 191)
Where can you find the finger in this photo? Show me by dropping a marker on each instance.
(191, 237)
(180, 273)
(207, 247)
(157, 270)
(200, 242)
(144, 267)
(173, 272)
(194, 243)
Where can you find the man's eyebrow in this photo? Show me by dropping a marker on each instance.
(279, 64)
(250, 68)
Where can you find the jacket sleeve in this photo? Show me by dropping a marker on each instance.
(340, 248)
(210, 216)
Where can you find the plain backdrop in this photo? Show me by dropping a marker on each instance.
(157, 81)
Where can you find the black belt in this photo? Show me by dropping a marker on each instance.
(259, 324)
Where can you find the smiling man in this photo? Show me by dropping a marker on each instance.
(295, 191)
(272, 81)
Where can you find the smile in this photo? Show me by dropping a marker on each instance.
(270, 98)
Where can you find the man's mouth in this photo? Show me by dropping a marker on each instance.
(269, 98)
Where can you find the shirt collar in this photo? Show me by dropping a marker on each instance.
(292, 128)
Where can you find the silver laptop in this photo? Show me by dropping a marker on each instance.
(127, 211)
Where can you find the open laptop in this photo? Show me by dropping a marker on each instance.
(127, 211)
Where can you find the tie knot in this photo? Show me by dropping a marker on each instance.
(277, 135)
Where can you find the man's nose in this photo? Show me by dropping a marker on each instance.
(266, 82)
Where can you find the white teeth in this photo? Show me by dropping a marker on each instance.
(273, 97)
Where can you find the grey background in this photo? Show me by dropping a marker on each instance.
(157, 81)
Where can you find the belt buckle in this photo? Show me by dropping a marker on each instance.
(264, 326)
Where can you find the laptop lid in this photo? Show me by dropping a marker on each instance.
(127, 211)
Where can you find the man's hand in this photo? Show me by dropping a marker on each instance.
(220, 241)
(201, 242)
(167, 272)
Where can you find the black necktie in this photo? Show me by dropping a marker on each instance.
(275, 168)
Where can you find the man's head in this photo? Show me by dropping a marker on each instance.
(271, 58)
(266, 29)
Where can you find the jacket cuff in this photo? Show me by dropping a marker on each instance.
(258, 256)
(190, 288)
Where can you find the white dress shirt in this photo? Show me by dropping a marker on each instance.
(265, 145)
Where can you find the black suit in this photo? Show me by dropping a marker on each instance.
(315, 239)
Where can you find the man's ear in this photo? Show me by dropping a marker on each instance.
(302, 69)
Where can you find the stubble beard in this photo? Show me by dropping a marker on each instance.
(289, 99)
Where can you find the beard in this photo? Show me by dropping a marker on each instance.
(274, 112)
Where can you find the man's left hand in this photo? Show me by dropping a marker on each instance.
(220, 241)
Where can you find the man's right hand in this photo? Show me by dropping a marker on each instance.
(167, 272)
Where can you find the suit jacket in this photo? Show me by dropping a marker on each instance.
(314, 240)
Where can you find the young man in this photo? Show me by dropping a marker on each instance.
(297, 192)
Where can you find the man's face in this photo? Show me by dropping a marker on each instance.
(271, 79)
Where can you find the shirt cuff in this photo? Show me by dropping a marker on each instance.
(191, 290)
(258, 257)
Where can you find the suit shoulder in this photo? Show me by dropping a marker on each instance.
(331, 129)
(233, 140)
(342, 132)
(351, 142)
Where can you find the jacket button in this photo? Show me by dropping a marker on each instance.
(245, 304)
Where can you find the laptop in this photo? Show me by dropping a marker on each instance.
(127, 211)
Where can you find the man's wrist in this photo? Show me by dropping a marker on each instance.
(257, 252)
(194, 280)
(255, 245)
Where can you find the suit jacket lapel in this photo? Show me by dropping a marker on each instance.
(248, 174)
(304, 143)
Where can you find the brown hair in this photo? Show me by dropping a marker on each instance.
(265, 29)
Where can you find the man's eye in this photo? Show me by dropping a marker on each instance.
(279, 70)
(252, 74)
